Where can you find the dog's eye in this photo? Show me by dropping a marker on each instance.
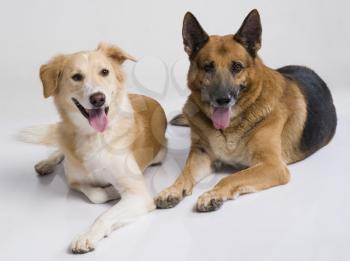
(209, 67)
(236, 67)
(77, 77)
(104, 72)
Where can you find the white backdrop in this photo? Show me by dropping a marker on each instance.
(306, 220)
(312, 32)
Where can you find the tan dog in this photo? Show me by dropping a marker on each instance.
(243, 113)
(107, 137)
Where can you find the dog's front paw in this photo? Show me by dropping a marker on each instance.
(44, 167)
(169, 197)
(209, 201)
(83, 243)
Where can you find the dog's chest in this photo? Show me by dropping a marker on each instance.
(101, 158)
(225, 147)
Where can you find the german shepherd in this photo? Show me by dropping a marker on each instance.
(243, 113)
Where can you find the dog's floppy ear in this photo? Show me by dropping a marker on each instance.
(115, 53)
(50, 74)
(249, 35)
(194, 37)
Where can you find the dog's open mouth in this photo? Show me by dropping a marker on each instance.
(221, 117)
(97, 117)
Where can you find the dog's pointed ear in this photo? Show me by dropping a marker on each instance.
(50, 74)
(115, 53)
(194, 37)
(249, 35)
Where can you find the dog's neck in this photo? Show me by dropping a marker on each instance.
(121, 115)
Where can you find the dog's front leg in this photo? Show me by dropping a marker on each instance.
(198, 166)
(261, 176)
(48, 165)
(135, 201)
(129, 208)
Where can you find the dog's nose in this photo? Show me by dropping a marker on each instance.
(97, 99)
(223, 101)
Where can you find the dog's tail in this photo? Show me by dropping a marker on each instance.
(179, 120)
(40, 134)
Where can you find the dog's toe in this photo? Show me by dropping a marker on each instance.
(168, 202)
(83, 244)
(44, 168)
(209, 202)
(168, 198)
(213, 205)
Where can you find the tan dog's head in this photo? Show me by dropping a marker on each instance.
(222, 67)
(84, 84)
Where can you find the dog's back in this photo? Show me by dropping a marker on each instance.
(321, 118)
(151, 124)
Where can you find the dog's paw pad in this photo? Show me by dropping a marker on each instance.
(209, 202)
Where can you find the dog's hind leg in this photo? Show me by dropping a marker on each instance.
(48, 165)
(98, 195)
(179, 120)
(158, 159)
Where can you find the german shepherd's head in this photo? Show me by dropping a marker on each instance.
(222, 68)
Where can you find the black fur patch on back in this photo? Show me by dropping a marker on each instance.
(321, 118)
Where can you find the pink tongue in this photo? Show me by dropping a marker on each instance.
(221, 118)
(98, 119)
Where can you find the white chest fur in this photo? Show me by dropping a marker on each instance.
(104, 155)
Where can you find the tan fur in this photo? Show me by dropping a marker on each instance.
(50, 74)
(102, 163)
(151, 123)
(146, 129)
(264, 132)
(40, 134)
(143, 135)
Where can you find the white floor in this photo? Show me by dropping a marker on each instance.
(308, 219)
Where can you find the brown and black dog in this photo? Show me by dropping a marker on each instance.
(243, 113)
